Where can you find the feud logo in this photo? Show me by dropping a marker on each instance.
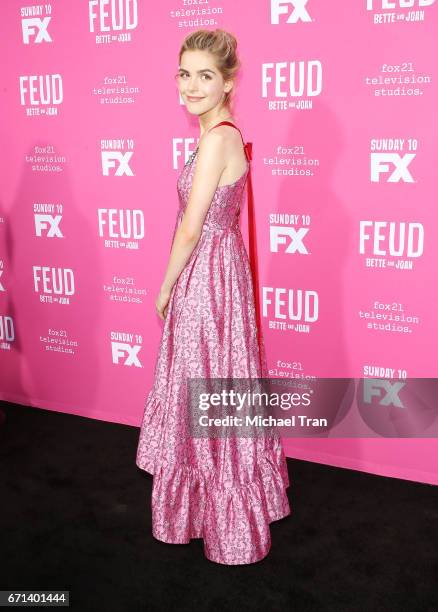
(7, 332)
(290, 304)
(121, 223)
(53, 281)
(292, 79)
(182, 149)
(112, 15)
(40, 89)
(391, 238)
(382, 5)
(294, 9)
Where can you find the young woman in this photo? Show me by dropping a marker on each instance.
(225, 490)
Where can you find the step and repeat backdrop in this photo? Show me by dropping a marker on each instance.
(339, 100)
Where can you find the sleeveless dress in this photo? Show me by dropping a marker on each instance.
(224, 490)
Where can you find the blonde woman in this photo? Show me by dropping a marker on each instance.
(225, 490)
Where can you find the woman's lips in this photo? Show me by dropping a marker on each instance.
(190, 99)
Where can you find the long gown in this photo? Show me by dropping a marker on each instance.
(225, 490)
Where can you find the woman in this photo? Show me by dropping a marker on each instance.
(224, 490)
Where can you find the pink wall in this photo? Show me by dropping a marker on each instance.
(355, 147)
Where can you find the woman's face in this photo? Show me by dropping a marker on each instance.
(200, 83)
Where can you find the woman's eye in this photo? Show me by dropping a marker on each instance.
(183, 76)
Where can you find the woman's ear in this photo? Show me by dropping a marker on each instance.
(228, 86)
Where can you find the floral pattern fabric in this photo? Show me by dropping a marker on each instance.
(225, 490)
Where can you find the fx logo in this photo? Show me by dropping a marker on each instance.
(278, 234)
(383, 162)
(384, 389)
(111, 158)
(42, 222)
(35, 24)
(119, 349)
(281, 7)
(1, 285)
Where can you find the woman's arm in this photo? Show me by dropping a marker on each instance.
(209, 167)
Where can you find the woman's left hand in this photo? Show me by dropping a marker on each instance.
(161, 303)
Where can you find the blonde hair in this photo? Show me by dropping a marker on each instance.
(223, 46)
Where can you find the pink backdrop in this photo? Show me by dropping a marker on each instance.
(339, 100)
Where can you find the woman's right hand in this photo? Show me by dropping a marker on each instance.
(162, 303)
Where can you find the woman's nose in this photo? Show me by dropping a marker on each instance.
(193, 84)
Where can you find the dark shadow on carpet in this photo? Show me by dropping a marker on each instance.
(75, 515)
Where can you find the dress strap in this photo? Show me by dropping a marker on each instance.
(246, 146)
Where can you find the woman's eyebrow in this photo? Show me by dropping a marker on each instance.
(199, 71)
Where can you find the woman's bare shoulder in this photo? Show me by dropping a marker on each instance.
(223, 137)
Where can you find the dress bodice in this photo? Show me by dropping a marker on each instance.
(224, 209)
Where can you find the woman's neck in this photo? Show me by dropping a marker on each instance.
(211, 122)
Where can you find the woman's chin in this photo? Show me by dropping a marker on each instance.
(193, 111)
